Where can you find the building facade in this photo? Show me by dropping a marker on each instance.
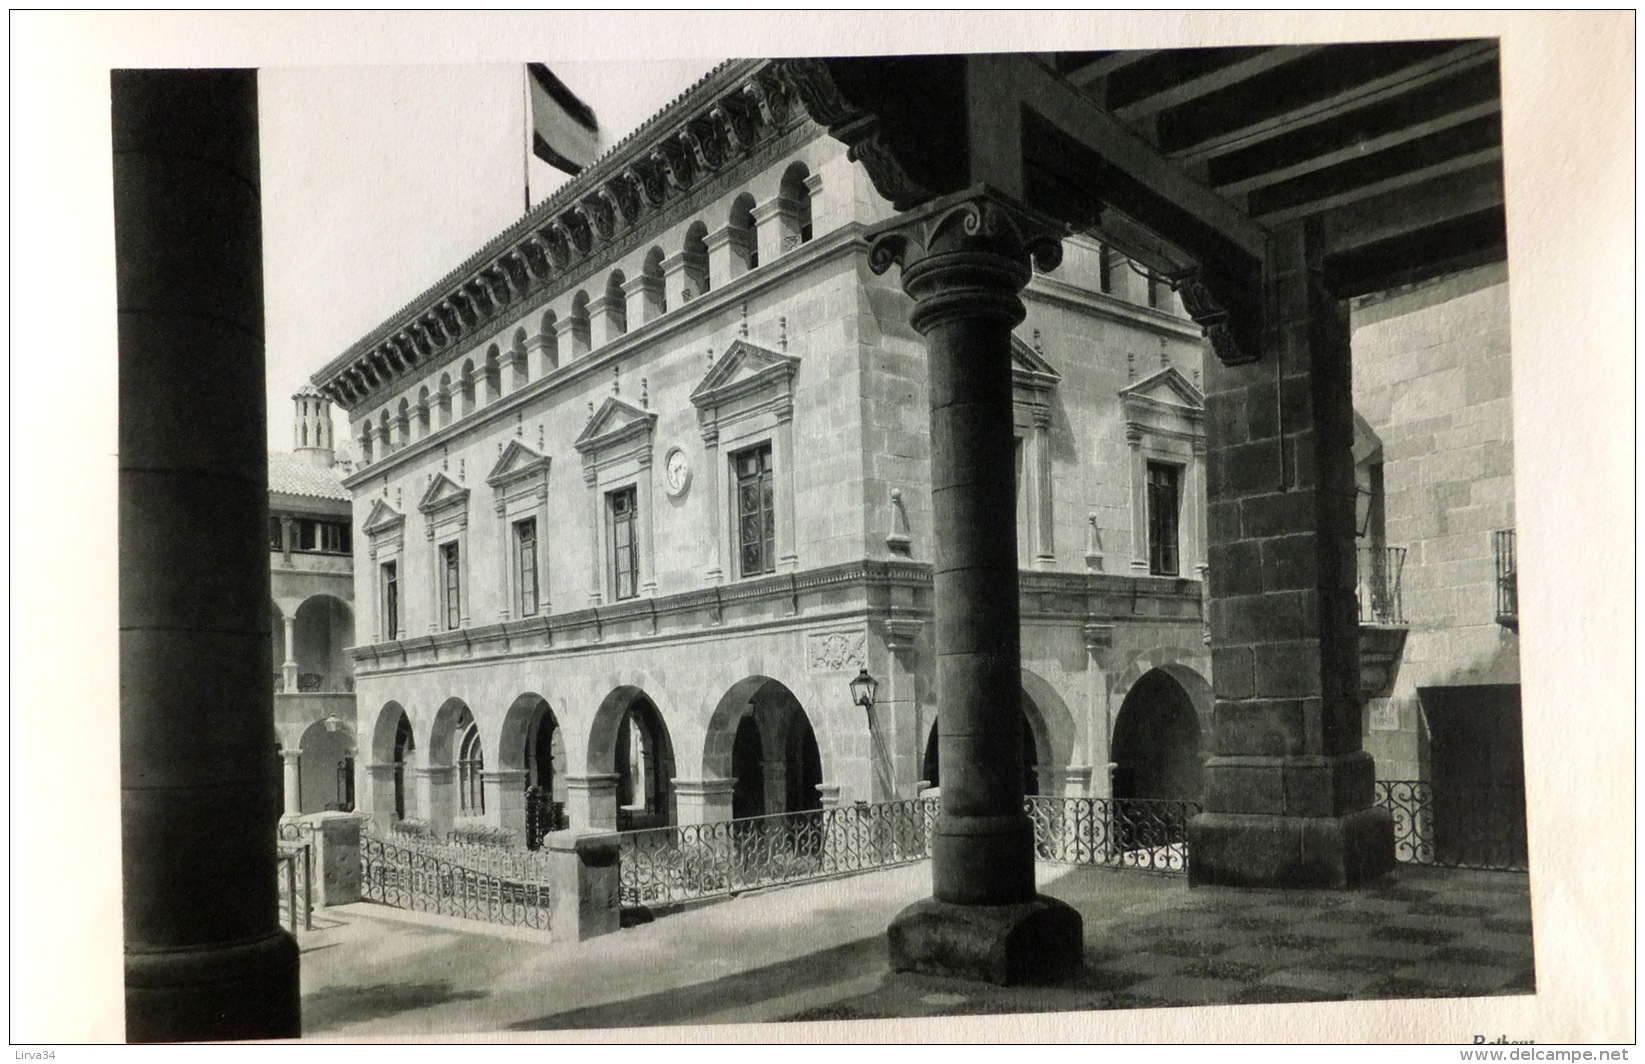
(644, 485)
(311, 569)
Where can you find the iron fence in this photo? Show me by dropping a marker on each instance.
(685, 862)
(294, 872)
(408, 873)
(1144, 833)
(1457, 826)
(1507, 579)
(1378, 590)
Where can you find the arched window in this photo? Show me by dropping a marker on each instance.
(654, 299)
(744, 250)
(303, 428)
(550, 340)
(616, 306)
(465, 385)
(442, 398)
(404, 745)
(422, 411)
(520, 363)
(794, 202)
(471, 761)
(403, 422)
(493, 375)
(385, 432)
(695, 252)
(579, 325)
(365, 442)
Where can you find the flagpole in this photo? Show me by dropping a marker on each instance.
(525, 156)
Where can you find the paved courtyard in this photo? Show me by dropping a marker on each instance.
(817, 952)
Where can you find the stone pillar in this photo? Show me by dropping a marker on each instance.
(569, 340)
(288, 668)
(713, 503)
(788, 558)
(1139, 502)
(591, 802)
(703, 801)
(293, 780)
(1194, 498)
(1045, 550)
(336, 858)
(379, 800)
(505, 799)
(606, 319)
(648, 520)
(1099, 726)
(774, 772)
(645, 299)
(900, 695)
(1288, 790)
(964, 258)
(437, 797)
(676, 281)
(596, 563)
(727, 255)
(200, 795)
(775, 229)
(585, 884)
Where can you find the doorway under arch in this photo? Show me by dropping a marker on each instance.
(761, 737)
(630, 739)
(325, 768)
(1156, 745)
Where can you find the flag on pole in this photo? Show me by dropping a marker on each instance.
(564, 132)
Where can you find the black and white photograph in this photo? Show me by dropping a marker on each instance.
(679, 527)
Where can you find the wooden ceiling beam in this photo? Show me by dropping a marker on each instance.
(1376, 188)
(1094, 71)
(1186, 92)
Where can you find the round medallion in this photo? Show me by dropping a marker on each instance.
(677, 470)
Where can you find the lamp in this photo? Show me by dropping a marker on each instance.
(863, 689)
(334, 723)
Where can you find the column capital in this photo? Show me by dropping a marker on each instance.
(966, 254)
(703, 788)
(902, 634)
(1098, 637)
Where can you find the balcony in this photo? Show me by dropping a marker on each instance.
(1507, 580)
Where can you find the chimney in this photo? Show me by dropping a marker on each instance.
(311, 433)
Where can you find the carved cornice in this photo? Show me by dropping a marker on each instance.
(861, 133)
(737, 110)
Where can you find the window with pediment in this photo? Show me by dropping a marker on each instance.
(384, 533)
(444, 507)
(1033, 387)
(519, 484)
(1165, 430)
(616, 448)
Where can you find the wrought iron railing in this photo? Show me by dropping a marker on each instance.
(1378, 589)
(473, 883)
(1507, 579)
(294, 869)
(504, 862)
(1145, 833)
(684, 862)
(542, 815)
(1457, 826)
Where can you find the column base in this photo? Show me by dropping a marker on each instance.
(1039, 941)
(1264, 850)
(215, 994)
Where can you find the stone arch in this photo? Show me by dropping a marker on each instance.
(1158, 742)
(325, 769)
(393, 747)
(439, 750)
(529, 728)
(365, 441)
(629, 738)
(465, 386)
(616, 304)
(1050, 720)
(323, 633)
(790, 754)
(422, 411)
(493, 375)
(443, 399)
(656, 297)
(694, 251)
(519, 361)
(794, 199)
(579, 325)
(385, 431)
(402, 420)
(1176, 661)
(740, 221)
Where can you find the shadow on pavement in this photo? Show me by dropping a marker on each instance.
(336, 1006)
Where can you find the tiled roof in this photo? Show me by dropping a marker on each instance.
(293, 474)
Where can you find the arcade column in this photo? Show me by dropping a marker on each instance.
(964, 259)
(1288, 791)
(200, 789)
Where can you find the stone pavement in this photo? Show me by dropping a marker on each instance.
(817, 952)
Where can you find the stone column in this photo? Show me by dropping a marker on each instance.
(379, 801)
(437, 796)
(712, 503)
(1288, 790)
(703, 801)
(727, 256)
(200, 795)
(293, 780)
(1045, 550)
(965, 257)
(774, 772)
(288, 668)
(505, 799)
(1139, 502)
(591, 802)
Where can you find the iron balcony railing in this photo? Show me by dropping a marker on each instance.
(1144, 833)
(1378, 589)
(1507, 580)
(485, 883)
(683, 862)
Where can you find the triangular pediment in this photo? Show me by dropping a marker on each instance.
(1167, 387)
(615, 419)
(745, 368)
(382, 518)
(1029, 368)
(516, 461)
(443, 493)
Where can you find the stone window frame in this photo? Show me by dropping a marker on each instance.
(1168, 432)
(384, 533)
(519, 485)
(737, 412)
(613, 459)
(444, 507)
